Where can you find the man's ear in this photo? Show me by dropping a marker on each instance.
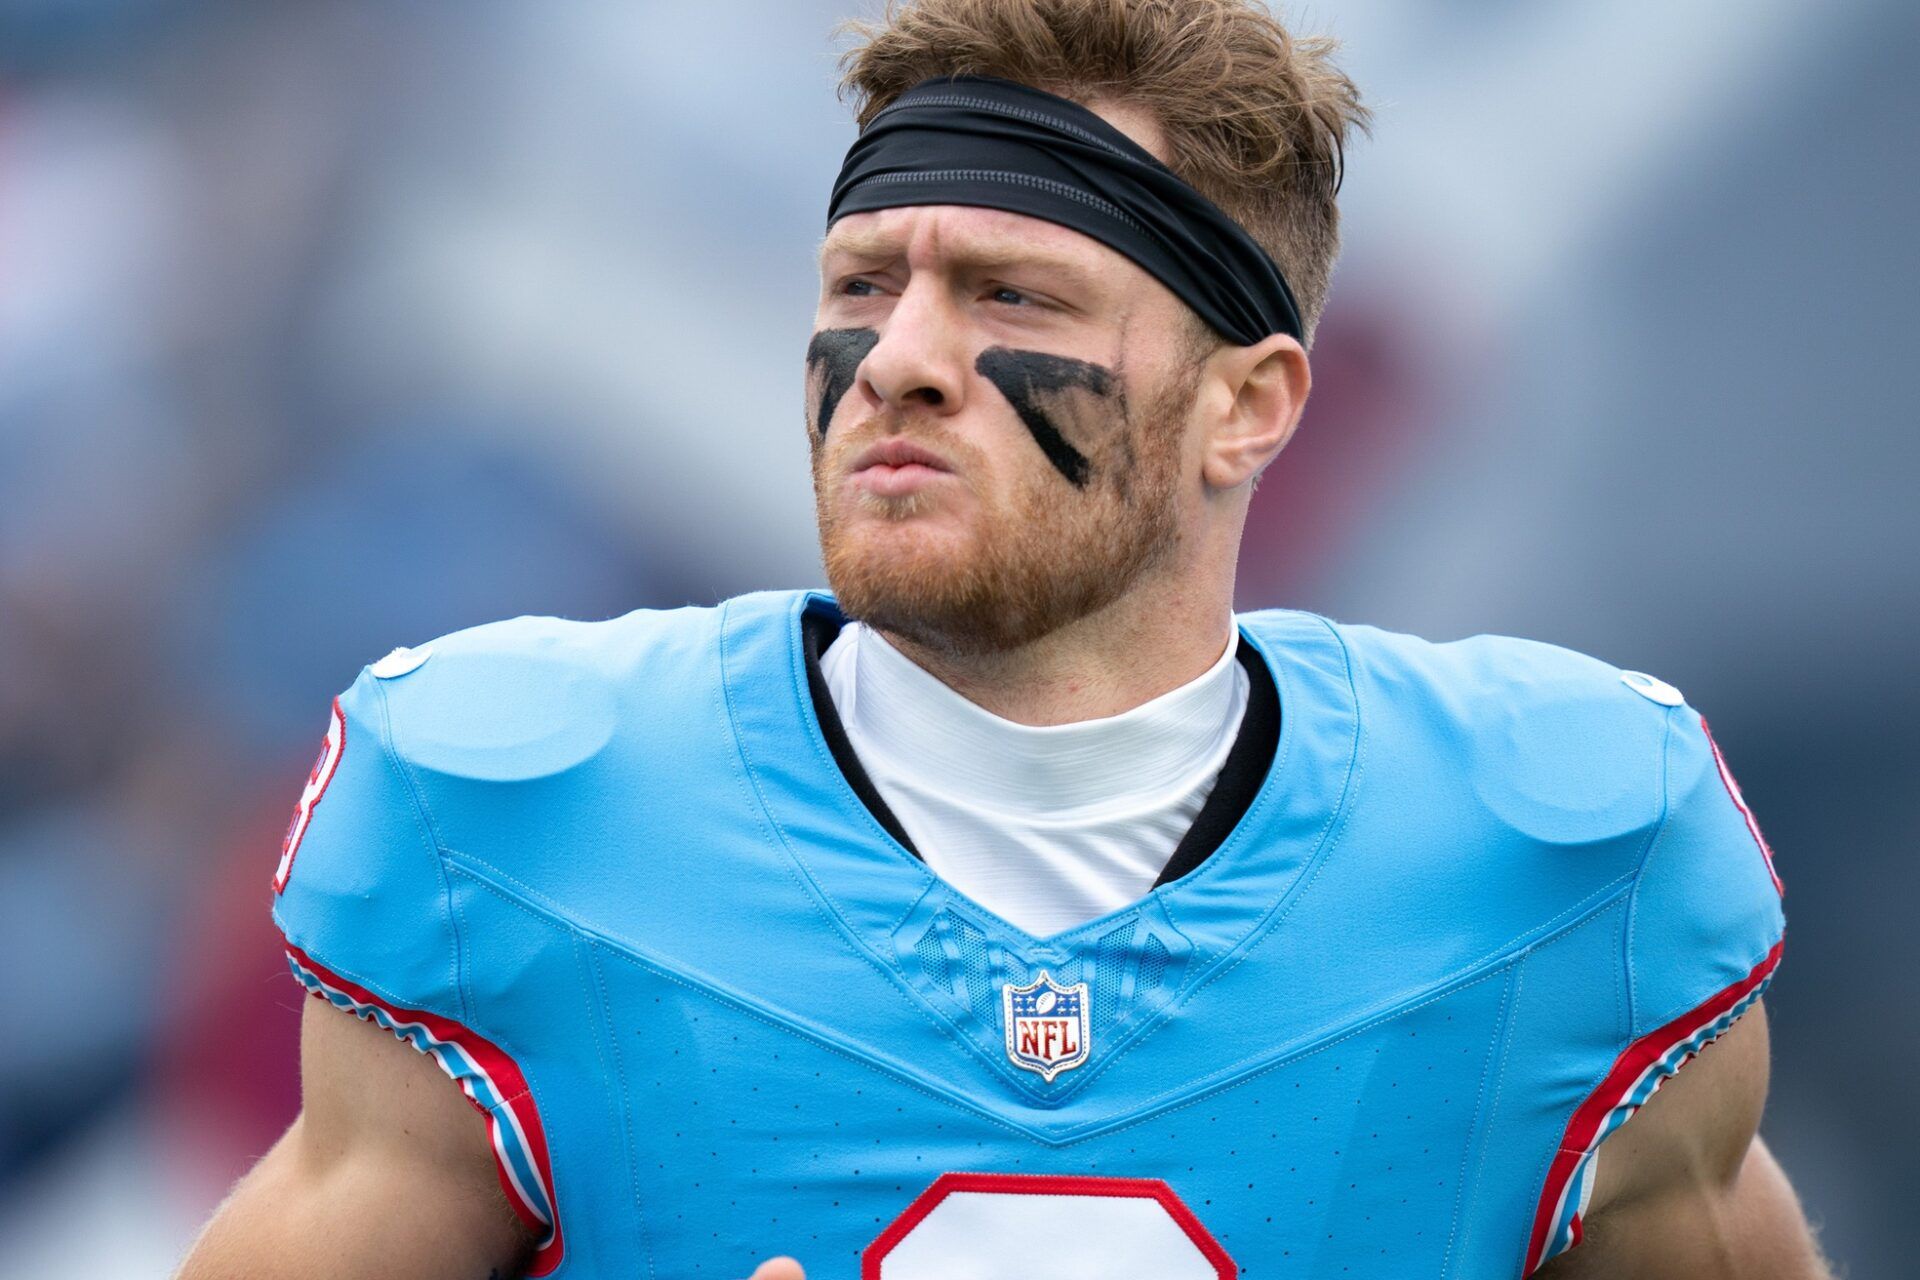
(1268, 384)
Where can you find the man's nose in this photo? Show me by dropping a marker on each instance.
(920, 359)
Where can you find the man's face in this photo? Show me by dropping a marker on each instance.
(998, 409)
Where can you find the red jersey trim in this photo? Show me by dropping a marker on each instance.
(1638, 1072)
(1046, 1185)
(1740, 803)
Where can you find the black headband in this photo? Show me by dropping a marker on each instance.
(999, 145)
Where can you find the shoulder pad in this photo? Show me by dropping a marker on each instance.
(1552, 742)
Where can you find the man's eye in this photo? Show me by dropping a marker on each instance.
(1011, 297)
(858, 288)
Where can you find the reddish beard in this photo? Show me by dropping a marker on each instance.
(1035, 559)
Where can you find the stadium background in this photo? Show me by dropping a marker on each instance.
(327, 327)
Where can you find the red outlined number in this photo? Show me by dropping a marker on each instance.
(1016, 1225)
(324, 766)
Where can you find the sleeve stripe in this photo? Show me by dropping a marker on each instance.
(1640, 1070)
(491, 1080)
(1740, 803)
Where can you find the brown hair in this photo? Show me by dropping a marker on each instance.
(1255, 118)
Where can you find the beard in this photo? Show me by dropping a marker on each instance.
(1036, 559)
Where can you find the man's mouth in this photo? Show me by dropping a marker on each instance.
(899, 453)
(894, 468)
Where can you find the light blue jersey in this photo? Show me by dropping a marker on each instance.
(612, 877)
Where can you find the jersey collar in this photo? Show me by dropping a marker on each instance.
(868, 883)
(1240, 778)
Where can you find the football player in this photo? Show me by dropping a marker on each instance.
(1017, 908)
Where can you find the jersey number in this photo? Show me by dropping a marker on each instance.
(999, 1226)
(331, 749)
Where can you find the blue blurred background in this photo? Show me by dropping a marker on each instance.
(328, 327)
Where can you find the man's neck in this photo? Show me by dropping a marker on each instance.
(1108, 662)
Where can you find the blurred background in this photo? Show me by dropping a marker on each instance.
(329, 327)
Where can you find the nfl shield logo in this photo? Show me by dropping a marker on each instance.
(1046, 1025)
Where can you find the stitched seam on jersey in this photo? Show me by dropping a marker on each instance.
(913, 905)
(1622, 1011)
(767, 1018)
(1639, 870)
(390, 750)
(1540, 1171)
(756, 799)
(1325, 841)
(360, 979)
(460, 932)
(1575, 917)
(1268, 796)
(796, 870)
(610, 1041)
(500, 1041)
(1545, 1166)
(1755, 997)
(1577, 914)
(1066, 939)
(1159, 1108)
(379, 989)
(1482, 1119)
(1460, 980)
(720, 995)
(1264, 799)
(803, 1033)
(474, 867)
(505, 1100)
(1757, 993)
(1538, 1181)
(796, 669)
(499, 1038)
(1689, 1003)
(1144, 1113)
(1500, 1085)
(750, 789)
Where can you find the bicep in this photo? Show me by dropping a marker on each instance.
(1753, 1229)
(1696, 1129)
(388, 1170)
(1686, 1188)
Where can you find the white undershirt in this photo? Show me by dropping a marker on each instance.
(1046, 826)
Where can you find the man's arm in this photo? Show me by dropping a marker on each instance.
(1686, 1190)
(388, 1171)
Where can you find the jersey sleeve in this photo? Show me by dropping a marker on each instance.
(1707, 922)
(359, 892)
(1704, 937)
